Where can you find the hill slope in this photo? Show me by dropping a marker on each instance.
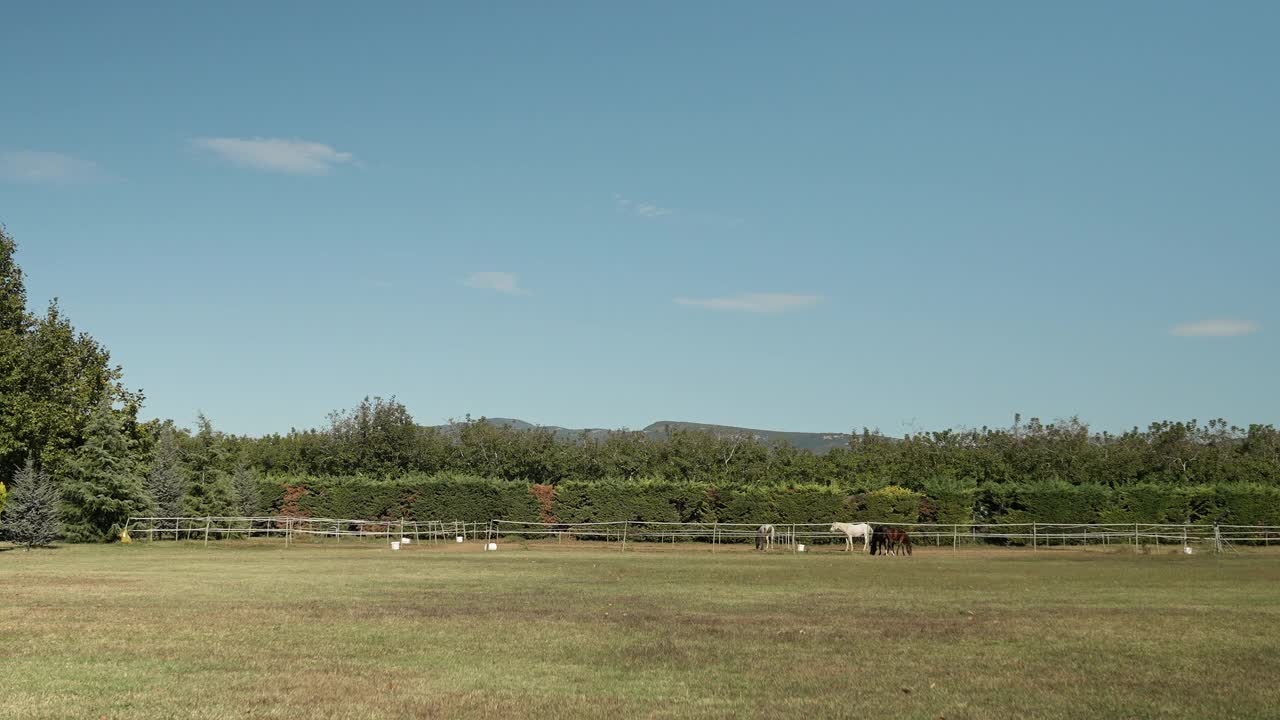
(813, 442)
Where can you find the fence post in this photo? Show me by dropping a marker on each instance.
(207, 522)
(955, 537)
(1033, 536)
(1135, 537)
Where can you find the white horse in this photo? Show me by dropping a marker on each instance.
(851, 531)
(765, 537)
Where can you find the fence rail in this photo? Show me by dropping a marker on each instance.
(1036, 535)
(289, 527)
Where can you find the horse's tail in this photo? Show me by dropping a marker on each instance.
(906, 540)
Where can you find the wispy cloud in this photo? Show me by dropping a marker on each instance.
(768, 303)
(31, 166)
(295, 157)
(501, 281)
(640, 209)
(1215, 328)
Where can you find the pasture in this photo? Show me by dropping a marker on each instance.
(250, 629)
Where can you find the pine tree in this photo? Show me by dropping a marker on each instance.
(103, 487)
(30, 516)
(167, 481)
(209, 492)
(247, 492)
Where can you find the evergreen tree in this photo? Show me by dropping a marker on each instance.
(30, 517)
(247, 492)
(167, 481)
(210, 491)
(103, 487)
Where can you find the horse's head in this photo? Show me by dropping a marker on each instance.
(834, 527)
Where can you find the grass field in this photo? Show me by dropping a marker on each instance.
(246, 630)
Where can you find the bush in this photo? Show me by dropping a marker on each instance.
(1249, 504)
(948, 500)
(945, 500)
(890, 504)
(415, 497)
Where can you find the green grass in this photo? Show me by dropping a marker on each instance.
(243, 630)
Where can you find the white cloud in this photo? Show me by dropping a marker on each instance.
(501, 281)
(755, 302)
(296, 157)
(640, 209)
(31, 166)
(1215, 328)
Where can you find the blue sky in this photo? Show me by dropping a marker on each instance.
(807, 217)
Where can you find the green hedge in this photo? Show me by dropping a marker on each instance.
(943, 500)
(435, 497)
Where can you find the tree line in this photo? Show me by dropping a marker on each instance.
(379, 438)
(79, 462)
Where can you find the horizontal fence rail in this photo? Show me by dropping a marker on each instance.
(791, 535)
(177, 528)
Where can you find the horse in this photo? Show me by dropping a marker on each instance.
(765, 537)
(851, 531)
(879, 542)
(888, 540)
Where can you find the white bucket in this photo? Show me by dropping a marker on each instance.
(491, 546)
(395, 545)
(459, 538)
(406, 541)
(1187, 550)
(799, 547)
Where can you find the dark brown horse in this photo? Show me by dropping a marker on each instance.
(889, 541)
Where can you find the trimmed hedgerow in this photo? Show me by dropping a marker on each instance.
(942, 500)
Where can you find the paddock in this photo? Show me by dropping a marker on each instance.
(350, 629)
(626, 534)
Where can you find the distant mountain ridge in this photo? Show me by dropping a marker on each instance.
(814, 442)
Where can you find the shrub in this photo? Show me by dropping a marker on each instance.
(948, 500)
(890, 504)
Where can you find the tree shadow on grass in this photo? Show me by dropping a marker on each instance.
(15, 548)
